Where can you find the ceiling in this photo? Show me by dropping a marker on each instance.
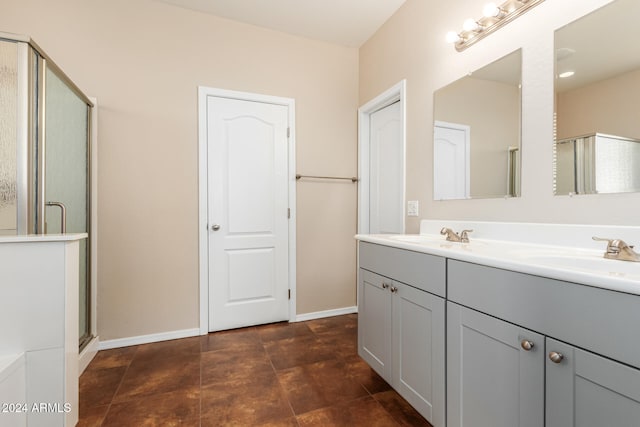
(344, 22)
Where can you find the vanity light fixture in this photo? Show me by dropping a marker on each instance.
(493, 17)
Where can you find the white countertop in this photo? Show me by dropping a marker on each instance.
(29, 238)
(583, 266)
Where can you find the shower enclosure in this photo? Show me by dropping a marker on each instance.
(45, 168)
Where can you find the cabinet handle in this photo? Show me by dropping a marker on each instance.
(385, 285)
(394, 289)
(556, 357)
(527, 345)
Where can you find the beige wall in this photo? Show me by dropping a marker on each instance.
(609, 106)
(143, 61)
(411, 45)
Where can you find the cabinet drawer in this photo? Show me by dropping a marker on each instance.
(601, 320)
(422, 271)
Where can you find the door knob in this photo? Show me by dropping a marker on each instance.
(556, 357)
(527, 345)
(215, 227)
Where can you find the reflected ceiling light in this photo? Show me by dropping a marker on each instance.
(493, 17)
(566, 74)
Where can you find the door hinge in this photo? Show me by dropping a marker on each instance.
(289, 293)
(289, 213)
(288, 132)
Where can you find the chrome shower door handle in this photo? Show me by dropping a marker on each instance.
(63, 215)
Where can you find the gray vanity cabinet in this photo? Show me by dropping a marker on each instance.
(401, 325)
(495, 372)
(587, 390)
(374, 322)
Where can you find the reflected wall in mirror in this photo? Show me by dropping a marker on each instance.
(476, 144)
(597, 99)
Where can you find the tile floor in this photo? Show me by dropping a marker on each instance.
(283, 374)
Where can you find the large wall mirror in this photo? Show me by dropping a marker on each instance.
(597, 102)
(477, 131)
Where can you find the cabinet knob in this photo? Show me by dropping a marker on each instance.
(556, 357)
(385, 285)
(215, 227)
(526, 345)
(394, 289)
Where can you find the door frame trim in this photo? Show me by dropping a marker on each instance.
(393, 94)
(203, 232)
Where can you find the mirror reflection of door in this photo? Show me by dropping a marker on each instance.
(451, 165)
(386, 196)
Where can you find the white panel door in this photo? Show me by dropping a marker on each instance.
(451, 165)
(386, 171)
(248, 218)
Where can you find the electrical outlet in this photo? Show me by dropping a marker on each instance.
(413, 208)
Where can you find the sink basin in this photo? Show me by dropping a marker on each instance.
(416, 238)
(586, 262)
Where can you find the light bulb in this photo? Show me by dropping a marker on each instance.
(452, 37)
(491, 10)
(470, 25)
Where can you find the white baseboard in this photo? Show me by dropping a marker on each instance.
(327, 313)
(88, 353)
(146, 339)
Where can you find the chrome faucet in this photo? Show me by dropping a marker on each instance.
(452, 236)
(618, 249)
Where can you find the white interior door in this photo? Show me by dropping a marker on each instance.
(248, 212)
(386, 176)
(451, 165)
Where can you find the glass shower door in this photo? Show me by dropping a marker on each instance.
(65, 183)
(8, 136)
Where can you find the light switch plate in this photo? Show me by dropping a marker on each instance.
(413, 208)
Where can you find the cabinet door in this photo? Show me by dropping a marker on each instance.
(492, 380)
(586, 390)
(419, 350)
(374, 322)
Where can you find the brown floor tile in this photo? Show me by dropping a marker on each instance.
(360, 371)
(283, 330)
(291, 352)
(253, 376)
(400, 409)
(113, 358)
(334, 325)
(178, 408)
(365, 412)
(165, 349)
(344, 345)
(160, 375)
(91, 416)
(250, 401)
(231, 364)
(98, 386)
(239, 339)
(321, 384)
